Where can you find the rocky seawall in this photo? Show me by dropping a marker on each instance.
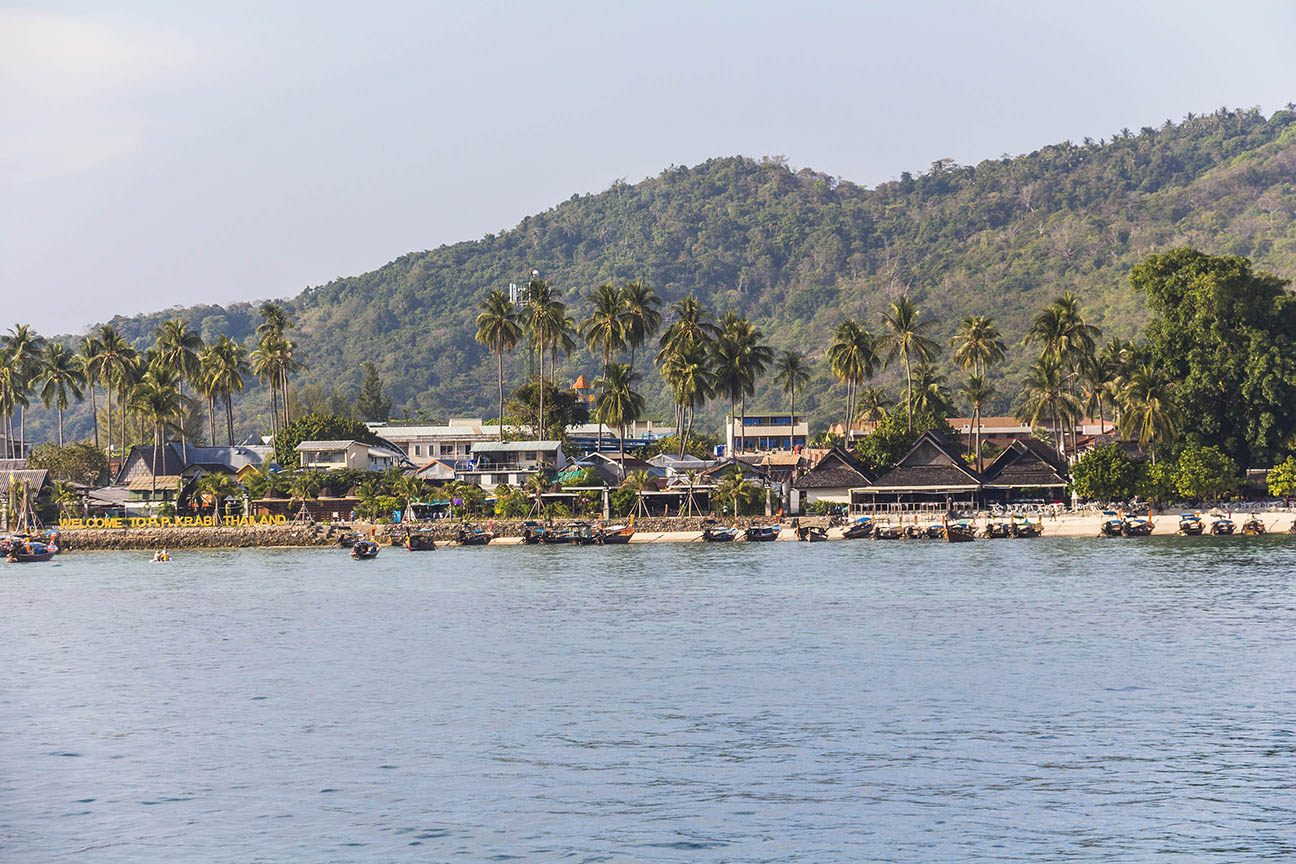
(295, 534)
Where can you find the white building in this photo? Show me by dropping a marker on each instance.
(758, 432)
(423, 442)
(512, 462)
(335, 455)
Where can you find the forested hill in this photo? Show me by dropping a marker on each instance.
(798, 250)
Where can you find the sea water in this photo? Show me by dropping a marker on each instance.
(1048, 700)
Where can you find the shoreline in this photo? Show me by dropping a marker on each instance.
(508, 532)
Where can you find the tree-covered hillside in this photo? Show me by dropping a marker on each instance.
(797, 251)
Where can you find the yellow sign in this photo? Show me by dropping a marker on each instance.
(170, 521)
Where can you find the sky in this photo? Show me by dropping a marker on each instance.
(155, 154)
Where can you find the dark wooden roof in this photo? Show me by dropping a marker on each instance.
(1026, 463)
(838, 469)
(931, 464)
(749, 471)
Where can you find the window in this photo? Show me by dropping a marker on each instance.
(418, 450)
(529, 456)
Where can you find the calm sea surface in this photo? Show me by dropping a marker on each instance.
(1051, 700)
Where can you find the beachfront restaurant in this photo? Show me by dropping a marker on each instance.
(1028, 470)
(932, 475)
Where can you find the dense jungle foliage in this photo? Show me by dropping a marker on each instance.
(796, 252)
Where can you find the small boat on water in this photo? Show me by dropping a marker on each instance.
(1025, 528)
(1137, 526)
(861, 528)
(29, 551)
(1253, 527)
(420, 541)
(533, 533)
(960, 531)
(1112, 524)
(470, 536)
(997, 529)
(763, 533)
(712, 533)
(364, 550)
(811, 533)
(1291, 529)
(1190, 524)
(934, 531)
(888, 531)
(347, 540)
(614, 535)
(581, 534)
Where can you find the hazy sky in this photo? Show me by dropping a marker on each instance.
(154, 154)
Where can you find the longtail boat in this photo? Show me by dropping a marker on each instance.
(859, 529)
(1253, 527)
(1190, 524)
(364, 550)
(763, 533)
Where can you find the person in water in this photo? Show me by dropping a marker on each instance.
(161, 555)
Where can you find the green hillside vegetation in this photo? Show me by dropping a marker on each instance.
(796, 253)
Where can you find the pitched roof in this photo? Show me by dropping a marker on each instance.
(514, 446)
(323, 445)
(931, 464)
(837, 469)
(725, 465)
(32, 478)
(1025, 464)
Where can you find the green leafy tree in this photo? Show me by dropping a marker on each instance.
(1224, 334)
(1204, 474)
(853, 358)
(618, 403)
(61, 379)
(641, 315)
(1282, 478)
(1149, 414)
(905, 338)
(562, 408)
(80, 463)
(894, 435)
(1105, 474)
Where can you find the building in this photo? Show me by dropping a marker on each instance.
(1028, 469)
(598, 437)
(831, 479)
(168, 474)
(422, 442)
(931, 474)
(497, 462)
(1002, 431)
(353, 455)
(769, 431)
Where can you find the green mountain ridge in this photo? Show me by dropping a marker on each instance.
(798, 250)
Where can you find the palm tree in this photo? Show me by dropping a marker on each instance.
(280, 351)
(688, 373)
(853, 358)
(157, 397)
(731, 485)
(64, 494)
(791, 372)
(498, 330)
(930, 396)
(538, 316)
(1150, 414)
(115, 355)
(753, 357)
(691, 325)
(617, 402)
(1047, 394)
(178, 347)
(229, 365)
(977, 391)
(977, 344)
(60, 376)
(904, 339)
(8, 399)
(606, 328)
(728, 371)
(871, 404)
(206, 385)
(641, 310)
(88, 358)
(24, 347)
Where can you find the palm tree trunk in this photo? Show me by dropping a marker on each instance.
(211, 420)
(274, 408)
(539, 431)
(977, 437)
(22, 432)
(909, 392)
(499, 357)
(60, 418)
(153, 475)
(108, 396)
(94, 413)
(229, 419)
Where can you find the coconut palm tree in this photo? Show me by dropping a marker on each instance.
(977, 344)
(91, 367)
(1150, 414)
(688, 373)
(977, 391)
(691, 324)
(1048, 394)
(498, 330)
(543, 310)
(8, 400)
(732, 486)
(115, 354)
(606, 328)
(641, 309)
(229, 366)
(904, 338)
(157, 397)
(179, 347)
(930, 395)
(872, 403)
(853, 358)
(791, 372)
(60, 377)
(617, 402)
(24, 347)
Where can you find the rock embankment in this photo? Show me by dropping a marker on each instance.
(296, 534)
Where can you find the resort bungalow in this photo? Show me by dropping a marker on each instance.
(178, 467)
(1028, 469)
(831, 479)
(356, 455)
(497, 462)
(931, 474)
